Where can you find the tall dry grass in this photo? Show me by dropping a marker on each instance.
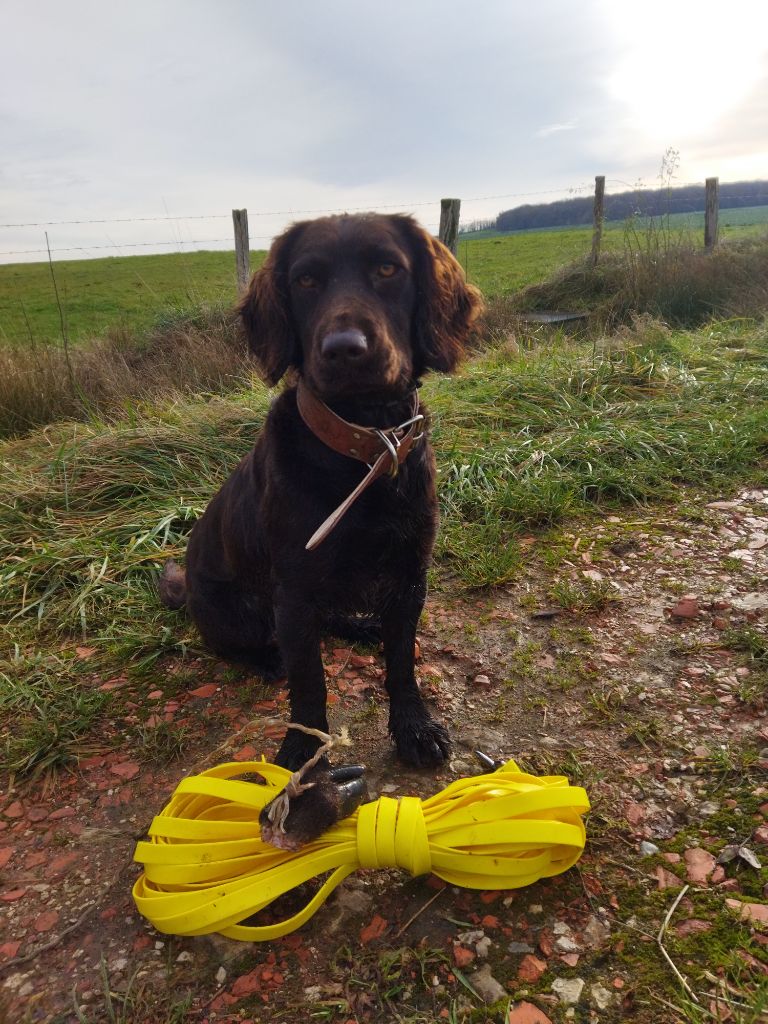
(661, 275)
(184, 354)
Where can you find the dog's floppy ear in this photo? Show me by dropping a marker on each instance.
(266, 315)
(447, 307)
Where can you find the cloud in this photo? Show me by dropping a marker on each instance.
(196, 108)
(553, 129)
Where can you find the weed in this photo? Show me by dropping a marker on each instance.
(582, 597)
(727, 761)
(749, 641)
(138, 1002)
(645, 732)
(606, 703)
(163, 742)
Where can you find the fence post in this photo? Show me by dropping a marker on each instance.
(449, 222)
(711, 208)
(242, 250)
(597, 219)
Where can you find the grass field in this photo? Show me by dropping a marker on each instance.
(139, 291)
(525, 440)
(104, 294)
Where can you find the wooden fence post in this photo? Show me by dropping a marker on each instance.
(711, 209)
(597, 219)
(449, 222)
(242, 250)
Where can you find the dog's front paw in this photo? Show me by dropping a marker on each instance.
(420, 740)
(296, 749)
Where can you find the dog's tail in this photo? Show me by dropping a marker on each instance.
(173, 585)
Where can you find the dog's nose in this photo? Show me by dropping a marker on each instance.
(346, 344)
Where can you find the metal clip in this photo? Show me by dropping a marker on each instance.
(392, 446)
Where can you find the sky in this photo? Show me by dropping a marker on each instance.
(178, 111)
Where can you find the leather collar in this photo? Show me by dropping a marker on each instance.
(383, 451)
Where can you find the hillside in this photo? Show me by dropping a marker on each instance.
(635, 202)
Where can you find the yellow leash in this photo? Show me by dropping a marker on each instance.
(207, 870)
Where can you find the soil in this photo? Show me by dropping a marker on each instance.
(621, 657)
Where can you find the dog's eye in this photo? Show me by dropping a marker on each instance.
(386, 270)
(306, 281)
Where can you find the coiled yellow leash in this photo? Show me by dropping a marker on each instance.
(206, 868)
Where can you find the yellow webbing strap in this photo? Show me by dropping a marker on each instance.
(207, 870)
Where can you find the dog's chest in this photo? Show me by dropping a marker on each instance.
(381, 544)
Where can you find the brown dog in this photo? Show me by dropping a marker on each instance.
(305, 537)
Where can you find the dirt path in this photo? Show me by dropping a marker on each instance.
(631, 655)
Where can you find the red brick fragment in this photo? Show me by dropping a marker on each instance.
(246, 753)
(374, 930)
(247, 984)
(686, 608)
(692, 927)
(531, 968)
(126, 770)
(59, 865)
(207, 690)
(462, 956)
(527, 1013)
(12, 895)
(699, 865)
(62, 812)
(45, 921)
(5, 855)
(14, 810)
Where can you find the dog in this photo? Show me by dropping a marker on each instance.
(330, 520)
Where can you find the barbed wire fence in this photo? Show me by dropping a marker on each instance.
(408, 206)
(446, 227)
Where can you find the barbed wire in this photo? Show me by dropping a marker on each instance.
(291, 212)
(128, 245)
(567, 192)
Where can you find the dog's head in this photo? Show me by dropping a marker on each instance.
(361, 305)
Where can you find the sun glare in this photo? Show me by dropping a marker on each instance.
(682, 66)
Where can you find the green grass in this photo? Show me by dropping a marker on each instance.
(740, 217)
(116, 292)
(528, 440)
(135, 292)
(503, 263)
(90, 511)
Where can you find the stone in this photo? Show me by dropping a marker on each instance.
(486, 986)
(596, 933)
(601, 996)
(568, 990)
(566, 944)
(648, 849)
(519, 947)
(753, 602)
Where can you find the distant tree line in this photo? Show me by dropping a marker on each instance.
(644, 203)
(478, 225)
